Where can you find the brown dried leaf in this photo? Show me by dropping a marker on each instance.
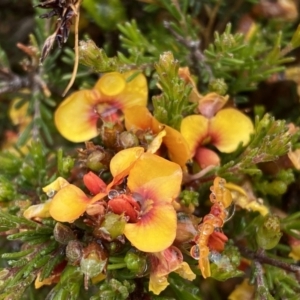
(47, 46)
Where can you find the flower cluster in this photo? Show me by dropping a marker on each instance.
(134, 196)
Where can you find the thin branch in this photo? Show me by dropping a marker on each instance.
(12, 82)
(259, 277)
(264, 259)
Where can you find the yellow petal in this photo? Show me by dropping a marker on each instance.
(55, 186)
(155, 231)
(155, 178)
(135, 91)
(178, 148)
(111, 84)
(68, 204)
(229, 128)
(20, 116)
(156, 143)
(122, 162)
(185, 271)
(76, 117)
(38, 211)
(157, 283)
(295, 253)
(243, 291)
(47, 281)
(194, 129)
(246, 200)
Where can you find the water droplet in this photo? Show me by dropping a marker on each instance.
(230, 212)
(195, 252)
(51, 193)
(113, 194)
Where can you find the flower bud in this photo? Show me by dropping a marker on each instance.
(112, 226)
(136, 262)
(74, 252)
(128, 140)
(94, 260)
(268, 233)
(109, 133)
(63, 234)
(218, 86)
(94, 161)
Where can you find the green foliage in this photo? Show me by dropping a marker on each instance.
(243, 63)
(40, 253)
(156, 38)
(173, 103)
(114, 290)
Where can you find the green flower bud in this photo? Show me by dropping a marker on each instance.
(219, 86)
(7, 190)
(112, 226)
(136, 262)
(268, 233)
(277, 187)
(95, 58)
(189, 197)
(94, 161)
(63, 234)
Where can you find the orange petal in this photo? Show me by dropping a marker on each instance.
(155, 178)
(206, 157)
(68, 204)
(122, 162)
(194, 129)
(178, 148)
(76, 116)
(229, 128)
(155, 231)
(140, 118)
(156, 142)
